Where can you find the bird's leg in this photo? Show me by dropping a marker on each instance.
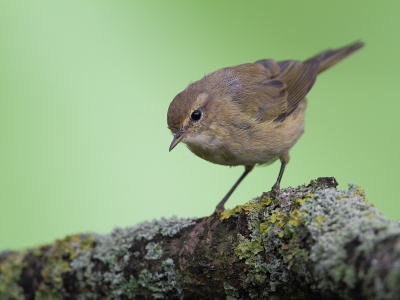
(221, 205)
(276, 187)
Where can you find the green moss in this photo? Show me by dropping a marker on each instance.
(10, 270)
(248, 249)
(47, 293)
(56, 264)
(230, 291)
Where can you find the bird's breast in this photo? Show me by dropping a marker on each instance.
(246, 141)
(223, 150)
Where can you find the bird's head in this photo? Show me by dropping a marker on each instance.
(187, 113)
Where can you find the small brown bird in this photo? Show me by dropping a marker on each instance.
(248, 114)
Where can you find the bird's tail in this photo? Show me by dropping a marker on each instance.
(329, 58)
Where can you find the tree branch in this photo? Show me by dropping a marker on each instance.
(311, 242)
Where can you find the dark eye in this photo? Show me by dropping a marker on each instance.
(196, 115)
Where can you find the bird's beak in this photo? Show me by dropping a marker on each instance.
(178, 136)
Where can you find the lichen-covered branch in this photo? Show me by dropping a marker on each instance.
(311, 242)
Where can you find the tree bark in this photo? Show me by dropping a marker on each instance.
(309, 242)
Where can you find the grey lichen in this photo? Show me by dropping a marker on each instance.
(162, 283)
(327, 219)
(56, 263)
(165, 227)
(154, 251)
(333, 226)
(93, 261)
(309, 242)
(113, 250)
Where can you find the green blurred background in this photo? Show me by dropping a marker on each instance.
(85, 88)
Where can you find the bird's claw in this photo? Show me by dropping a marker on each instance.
(273, 193)
(219, 209)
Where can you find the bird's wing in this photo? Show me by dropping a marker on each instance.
(299, 77)
(289, 84)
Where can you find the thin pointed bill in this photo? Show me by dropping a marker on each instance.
(178, 136)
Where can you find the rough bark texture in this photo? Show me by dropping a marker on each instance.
(311, 242)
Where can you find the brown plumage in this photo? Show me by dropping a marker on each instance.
(248, 114)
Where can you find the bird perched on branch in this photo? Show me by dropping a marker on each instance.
(251, 114)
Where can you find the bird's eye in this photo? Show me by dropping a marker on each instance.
(196, 115)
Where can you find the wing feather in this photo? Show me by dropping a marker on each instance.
(281, 92)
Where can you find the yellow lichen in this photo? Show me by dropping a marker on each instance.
(319, 219)
(226, 214)
(281, 224)
(300, 201)
(247, 249)
(272, 218)
(266, 202)
(278, 215)
(264, 228)
(360, 192)
(248, 207)
(296, 217)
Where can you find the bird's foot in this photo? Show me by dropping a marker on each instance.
(216, 213)
(211, 218)
(219, 209)
(273, 193)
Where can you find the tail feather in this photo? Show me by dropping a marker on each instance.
(329, 58)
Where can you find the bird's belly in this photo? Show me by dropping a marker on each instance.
(217, 152)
